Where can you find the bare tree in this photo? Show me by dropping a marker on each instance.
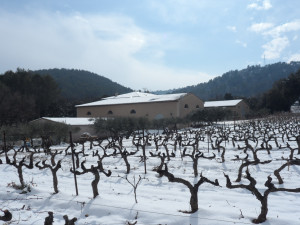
(49, 219)
(95, 172)
(248, 163)
(193, 188)
(7, 215)
(54, 167)
(69, 222)
(162, 160)
(20, 165)
(134, 185)
(288, 163)
(142, 142)
(263, 198)
(195, 156)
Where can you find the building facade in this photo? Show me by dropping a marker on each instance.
(138, 104)
(238, 107)
(78, 125)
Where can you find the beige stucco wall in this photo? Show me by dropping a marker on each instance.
(239, 111)
(242, 109)
(193, 103)
(151, 110)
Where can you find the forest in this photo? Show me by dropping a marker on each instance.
(245, 83)
(83, 85)
(26, 95)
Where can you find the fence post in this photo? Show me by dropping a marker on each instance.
(74, 169)
(208, 139)
(5, 150)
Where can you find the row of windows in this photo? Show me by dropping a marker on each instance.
(111, 112)
(186, 106)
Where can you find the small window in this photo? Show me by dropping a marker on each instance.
(132, 111)
(197, 107)
(110, 112)
(89, 113)
(186, 106)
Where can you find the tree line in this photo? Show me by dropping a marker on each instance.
(246, 83)
(83, 85)
(280, 97)
(25, 96)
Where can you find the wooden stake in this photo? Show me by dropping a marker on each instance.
(4, 146)
(74, 169)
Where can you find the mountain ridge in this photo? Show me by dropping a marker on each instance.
(248, 82)
(82, 84)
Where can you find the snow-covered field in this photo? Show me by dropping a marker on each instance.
(159, 201)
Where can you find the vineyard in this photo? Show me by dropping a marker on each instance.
(231, 173)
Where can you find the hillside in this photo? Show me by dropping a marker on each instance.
(81, 84)
(248, 82)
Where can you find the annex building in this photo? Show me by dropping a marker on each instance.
(80, 125)
(139, 104)
(238, 107)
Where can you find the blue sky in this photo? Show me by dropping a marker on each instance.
(150, 44)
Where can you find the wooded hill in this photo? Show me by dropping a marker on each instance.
(81, 84)
(249, 82)
(27, 95)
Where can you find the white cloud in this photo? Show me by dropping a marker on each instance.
(178, 11)
(231, 28)
(244, 44)
(260, 5)
(106, 45)
(276, 36)
(191, 11)
(294, 57)
(286, 27)
(260, 27)
(275, 47)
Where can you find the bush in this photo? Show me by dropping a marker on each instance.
(121, 125)
(210, 115)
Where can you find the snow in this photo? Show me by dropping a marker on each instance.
(222, 103)
(76, 121)
(159, 201)
(135, 97)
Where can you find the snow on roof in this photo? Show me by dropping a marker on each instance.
(222, 103)
(135, 97)
(71, 120)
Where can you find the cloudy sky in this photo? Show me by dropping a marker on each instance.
(153, 44)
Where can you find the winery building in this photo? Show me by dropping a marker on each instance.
(139, 104)
(238, 107)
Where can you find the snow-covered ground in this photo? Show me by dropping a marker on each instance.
(159, 201)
